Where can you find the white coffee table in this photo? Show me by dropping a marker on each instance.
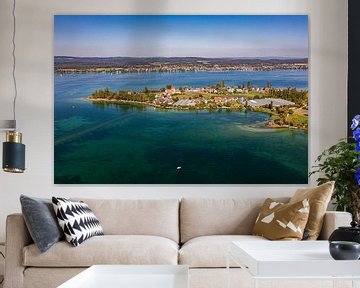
(131, 276)
(292, 260)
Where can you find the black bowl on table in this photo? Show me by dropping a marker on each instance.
(344, 250)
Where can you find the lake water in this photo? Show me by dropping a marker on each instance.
(125, 144)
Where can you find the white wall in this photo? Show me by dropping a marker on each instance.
(328, 95)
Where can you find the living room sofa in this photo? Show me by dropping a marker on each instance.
(194, 232)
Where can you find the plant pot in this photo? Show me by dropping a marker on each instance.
(350, 234)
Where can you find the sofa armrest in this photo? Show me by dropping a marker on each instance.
(333, 220)
(17, 237)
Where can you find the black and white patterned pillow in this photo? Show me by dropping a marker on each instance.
(77, 220)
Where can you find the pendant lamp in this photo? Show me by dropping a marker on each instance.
(13, 160)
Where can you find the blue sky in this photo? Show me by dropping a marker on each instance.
(181, 36)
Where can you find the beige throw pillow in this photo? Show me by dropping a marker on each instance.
(319, 198)
(279, 221)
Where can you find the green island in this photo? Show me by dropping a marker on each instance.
(287, 107)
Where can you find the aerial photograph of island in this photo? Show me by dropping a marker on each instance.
(181, 99)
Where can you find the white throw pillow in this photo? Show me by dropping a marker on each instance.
(77, 220)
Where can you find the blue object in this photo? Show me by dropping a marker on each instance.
(356, 134)
(355, 122)
(13, 157)
(357, 176)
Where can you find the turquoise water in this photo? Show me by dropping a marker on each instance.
(123, 144)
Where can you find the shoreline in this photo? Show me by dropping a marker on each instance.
(268, 125)
(137, 71)
(129, 102)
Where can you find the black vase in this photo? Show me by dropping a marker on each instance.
(350, 234)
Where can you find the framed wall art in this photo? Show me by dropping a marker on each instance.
(181, 99)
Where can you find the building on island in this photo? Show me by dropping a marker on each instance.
(276, 102)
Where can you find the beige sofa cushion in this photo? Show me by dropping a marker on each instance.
(319, 198)
(200, 217)
(49, 277)
(211, 251)
(159, 217)
(107, 249)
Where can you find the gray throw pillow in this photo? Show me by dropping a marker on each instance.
(41, 221)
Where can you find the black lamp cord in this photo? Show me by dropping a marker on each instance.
(14, 61)
(2, 280)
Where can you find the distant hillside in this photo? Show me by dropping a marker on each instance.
(127, 64)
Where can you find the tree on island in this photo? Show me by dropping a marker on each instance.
(271, 105)
(220, 84)
(246, 104)
(249, 85)
(300, 97)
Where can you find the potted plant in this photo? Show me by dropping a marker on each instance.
(341, 163)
